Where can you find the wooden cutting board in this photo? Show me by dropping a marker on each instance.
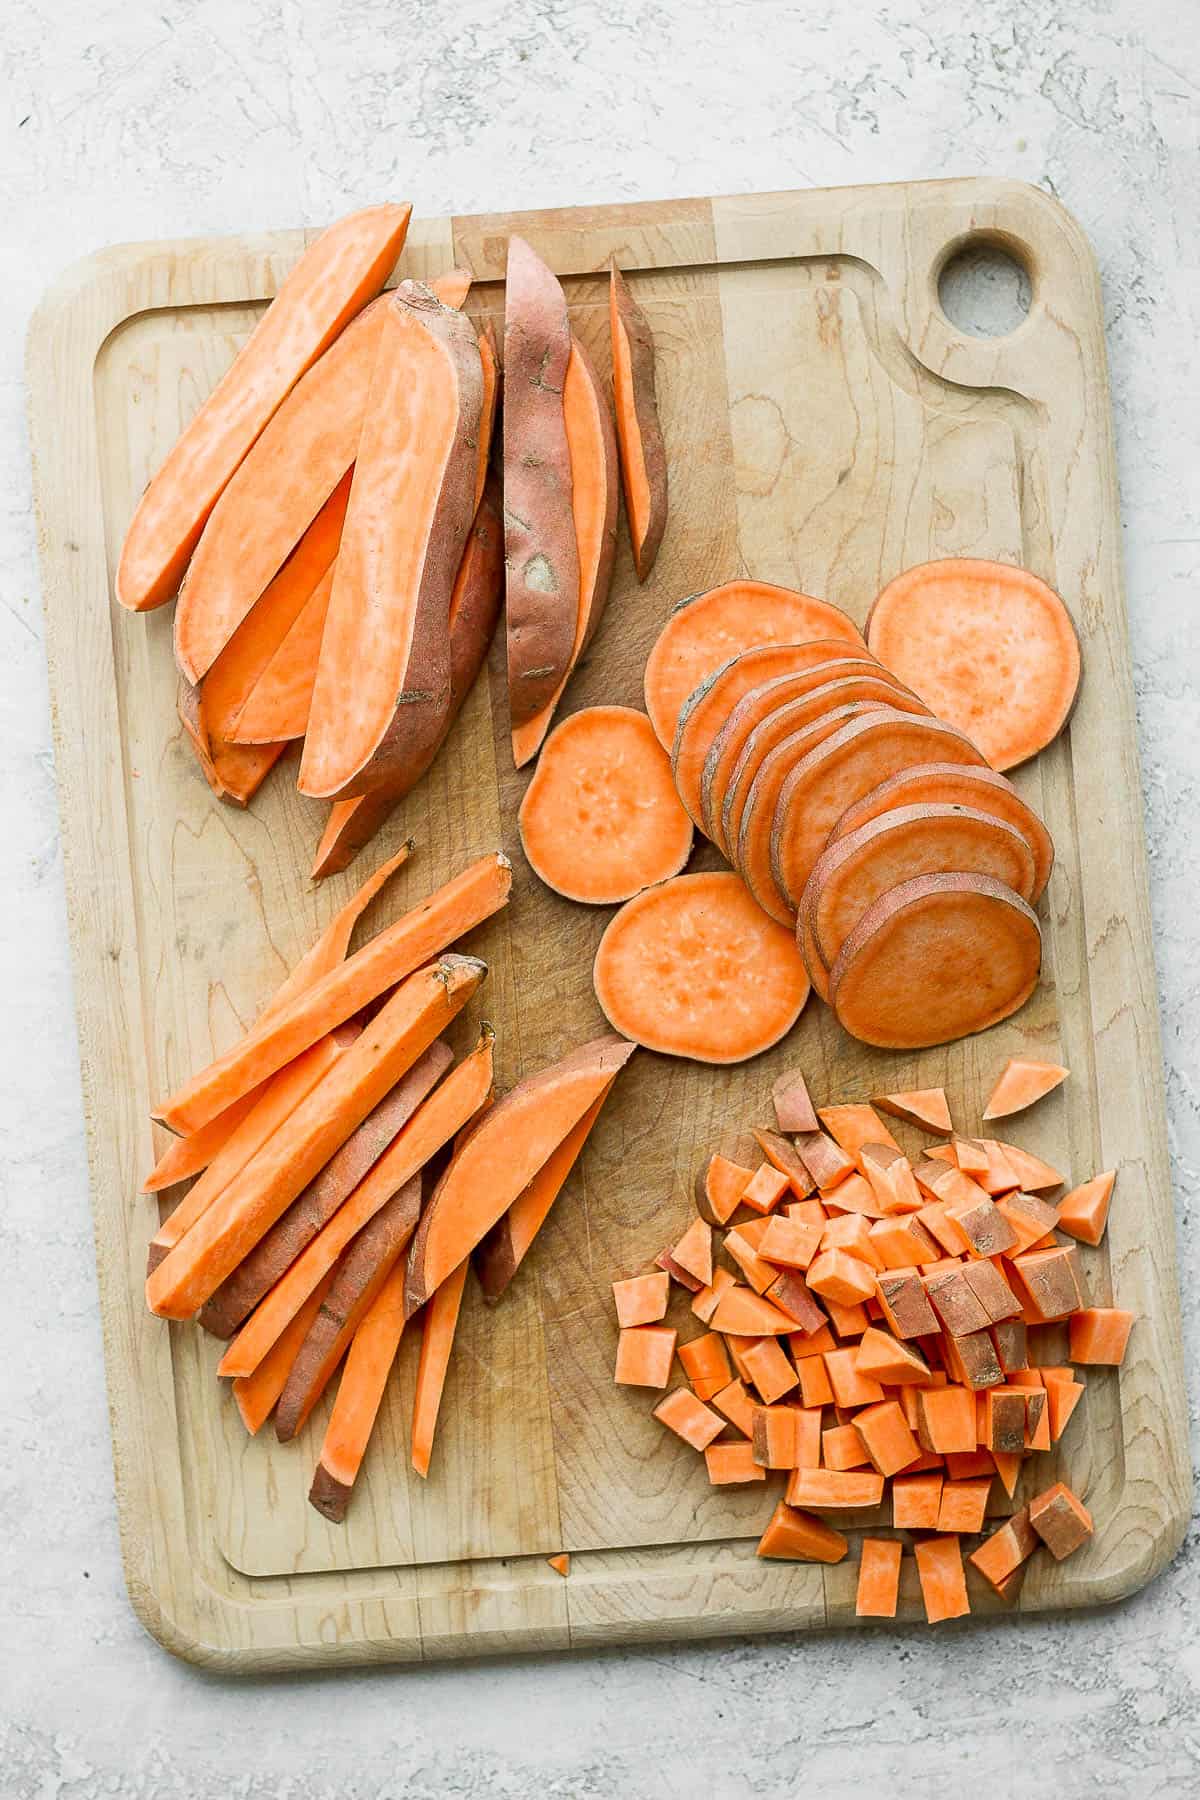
(826, 427)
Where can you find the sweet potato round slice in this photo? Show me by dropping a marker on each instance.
(841, 770)
(853, 871)
(766, 719)
(705, 630)
(957, 784)
(705, 711)
(694, 968)
(935, 959)
(988, 645)
(601, 819)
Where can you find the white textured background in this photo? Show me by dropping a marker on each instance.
(132, 120)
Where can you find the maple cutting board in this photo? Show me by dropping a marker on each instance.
(826, 427)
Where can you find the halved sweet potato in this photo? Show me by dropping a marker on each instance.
(601, 819)
(705, 630)
(383, 681)
(540, 546)
(694, 968)
(843, 768)
(956, 784)
(935, 959)
(643, 457)
(344, 268)
(853, 871)
(988, 645)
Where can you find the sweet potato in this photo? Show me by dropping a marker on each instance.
(693, 968)
(277, 706)
(480, 890)
(593, 460)
(926, 1108)
(822, 784)
(418, 1011)
(474, 610)
(852, 872)
(344, 268)
(935, 959)
(368, 1364)
(275, 1253)
(255, 1395)
(438, 1326)
(1021, 1083)
(766, 715)
(956, 784)
(705, 630)
(489, 368)
(1084, 1211)
(705, 711)
(988, 645)
(601, 819)
(383, 679)
(499, 1157)
(503, 1249)
(643, 456)
(540, 546)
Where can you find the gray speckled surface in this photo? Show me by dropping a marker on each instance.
(190, 116)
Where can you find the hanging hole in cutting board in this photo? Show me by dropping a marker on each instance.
(985, 289)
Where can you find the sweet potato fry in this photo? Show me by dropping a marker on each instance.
(643, 456)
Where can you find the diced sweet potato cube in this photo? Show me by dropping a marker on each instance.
(999, 1558)
(946, 1419)
(642, 1300)
(794, 1111)
(1005, 1420)
(693, 1252)
(1021, 1082)
(955, 1301)
(964, 1505)
(774, 1436)
(992, 1291)
(1061, 1521)
(975, 1361)
(729, 1464)
(924, 1107)
(706, 1358)
(758, 1273)
(705, 1303)
(798, 1537)
(1062, 1397)
(885, 1433)
(878, 1578)
(1049, 1276)
(842, 1448)
(1030, 1217)
(825, 1161)
(935, 1217)
(943, 1584)
(737, 1406)
(782, 1156)
(905, 1304)
(853, 1126)
(834, 1490)
(884, 1358)
(815, 1389)
(765, 1189)
(903, 1242)
(851, 1232)
(689, 1419)
(789, 1292)
(1084, 1211)
(1099, 1334)
(971, 1156)
(916, 1500)
(770, 1370)
(644, 1356)
(835, 1275)
(789, 1243)
(849, 1387)
(890, 1176)
(987, 1230)
(742, 1313)
(719, 1189)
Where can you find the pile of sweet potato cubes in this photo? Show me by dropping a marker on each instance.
(884, 1332)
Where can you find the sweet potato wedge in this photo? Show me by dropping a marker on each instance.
(935, 959)
(1021, 1083)
(474, 610)
(694, 968)
(705, 630)
(821, 786)
(988, 645)
(360, 1393)
(956, 784)
(335, 276)
(499, 1157)
(643, 455)
(383, 680)
(593, 457)
(853, 871)
(276, 709)
(601, 819)
(540, 545)
(504, 1248)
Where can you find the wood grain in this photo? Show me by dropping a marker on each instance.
(826, 427)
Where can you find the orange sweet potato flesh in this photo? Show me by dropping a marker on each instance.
(335, 276)
(936, 959)
(383, 680)
(840, 770)
(504, 1248)
(541, 547)
(500, 1156)
(256, 1394)
(277, 706)
(927, 1108)
(474, 610)
(704, 713)
(643, 454)
(988, 645)
(437, 1340)
(593, 458)
(188, 1156)
(275, 1253)
(1084, 1211)
(1021, 1084)
(943, 1585)
(799, 1537)
(705, 630)
(601, 819)
(956, 784)
(453, 1102)
(472, 896)
(852, 872)
(694, 968)
(878, 1578)
(417, 1013)
(360, 1392)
